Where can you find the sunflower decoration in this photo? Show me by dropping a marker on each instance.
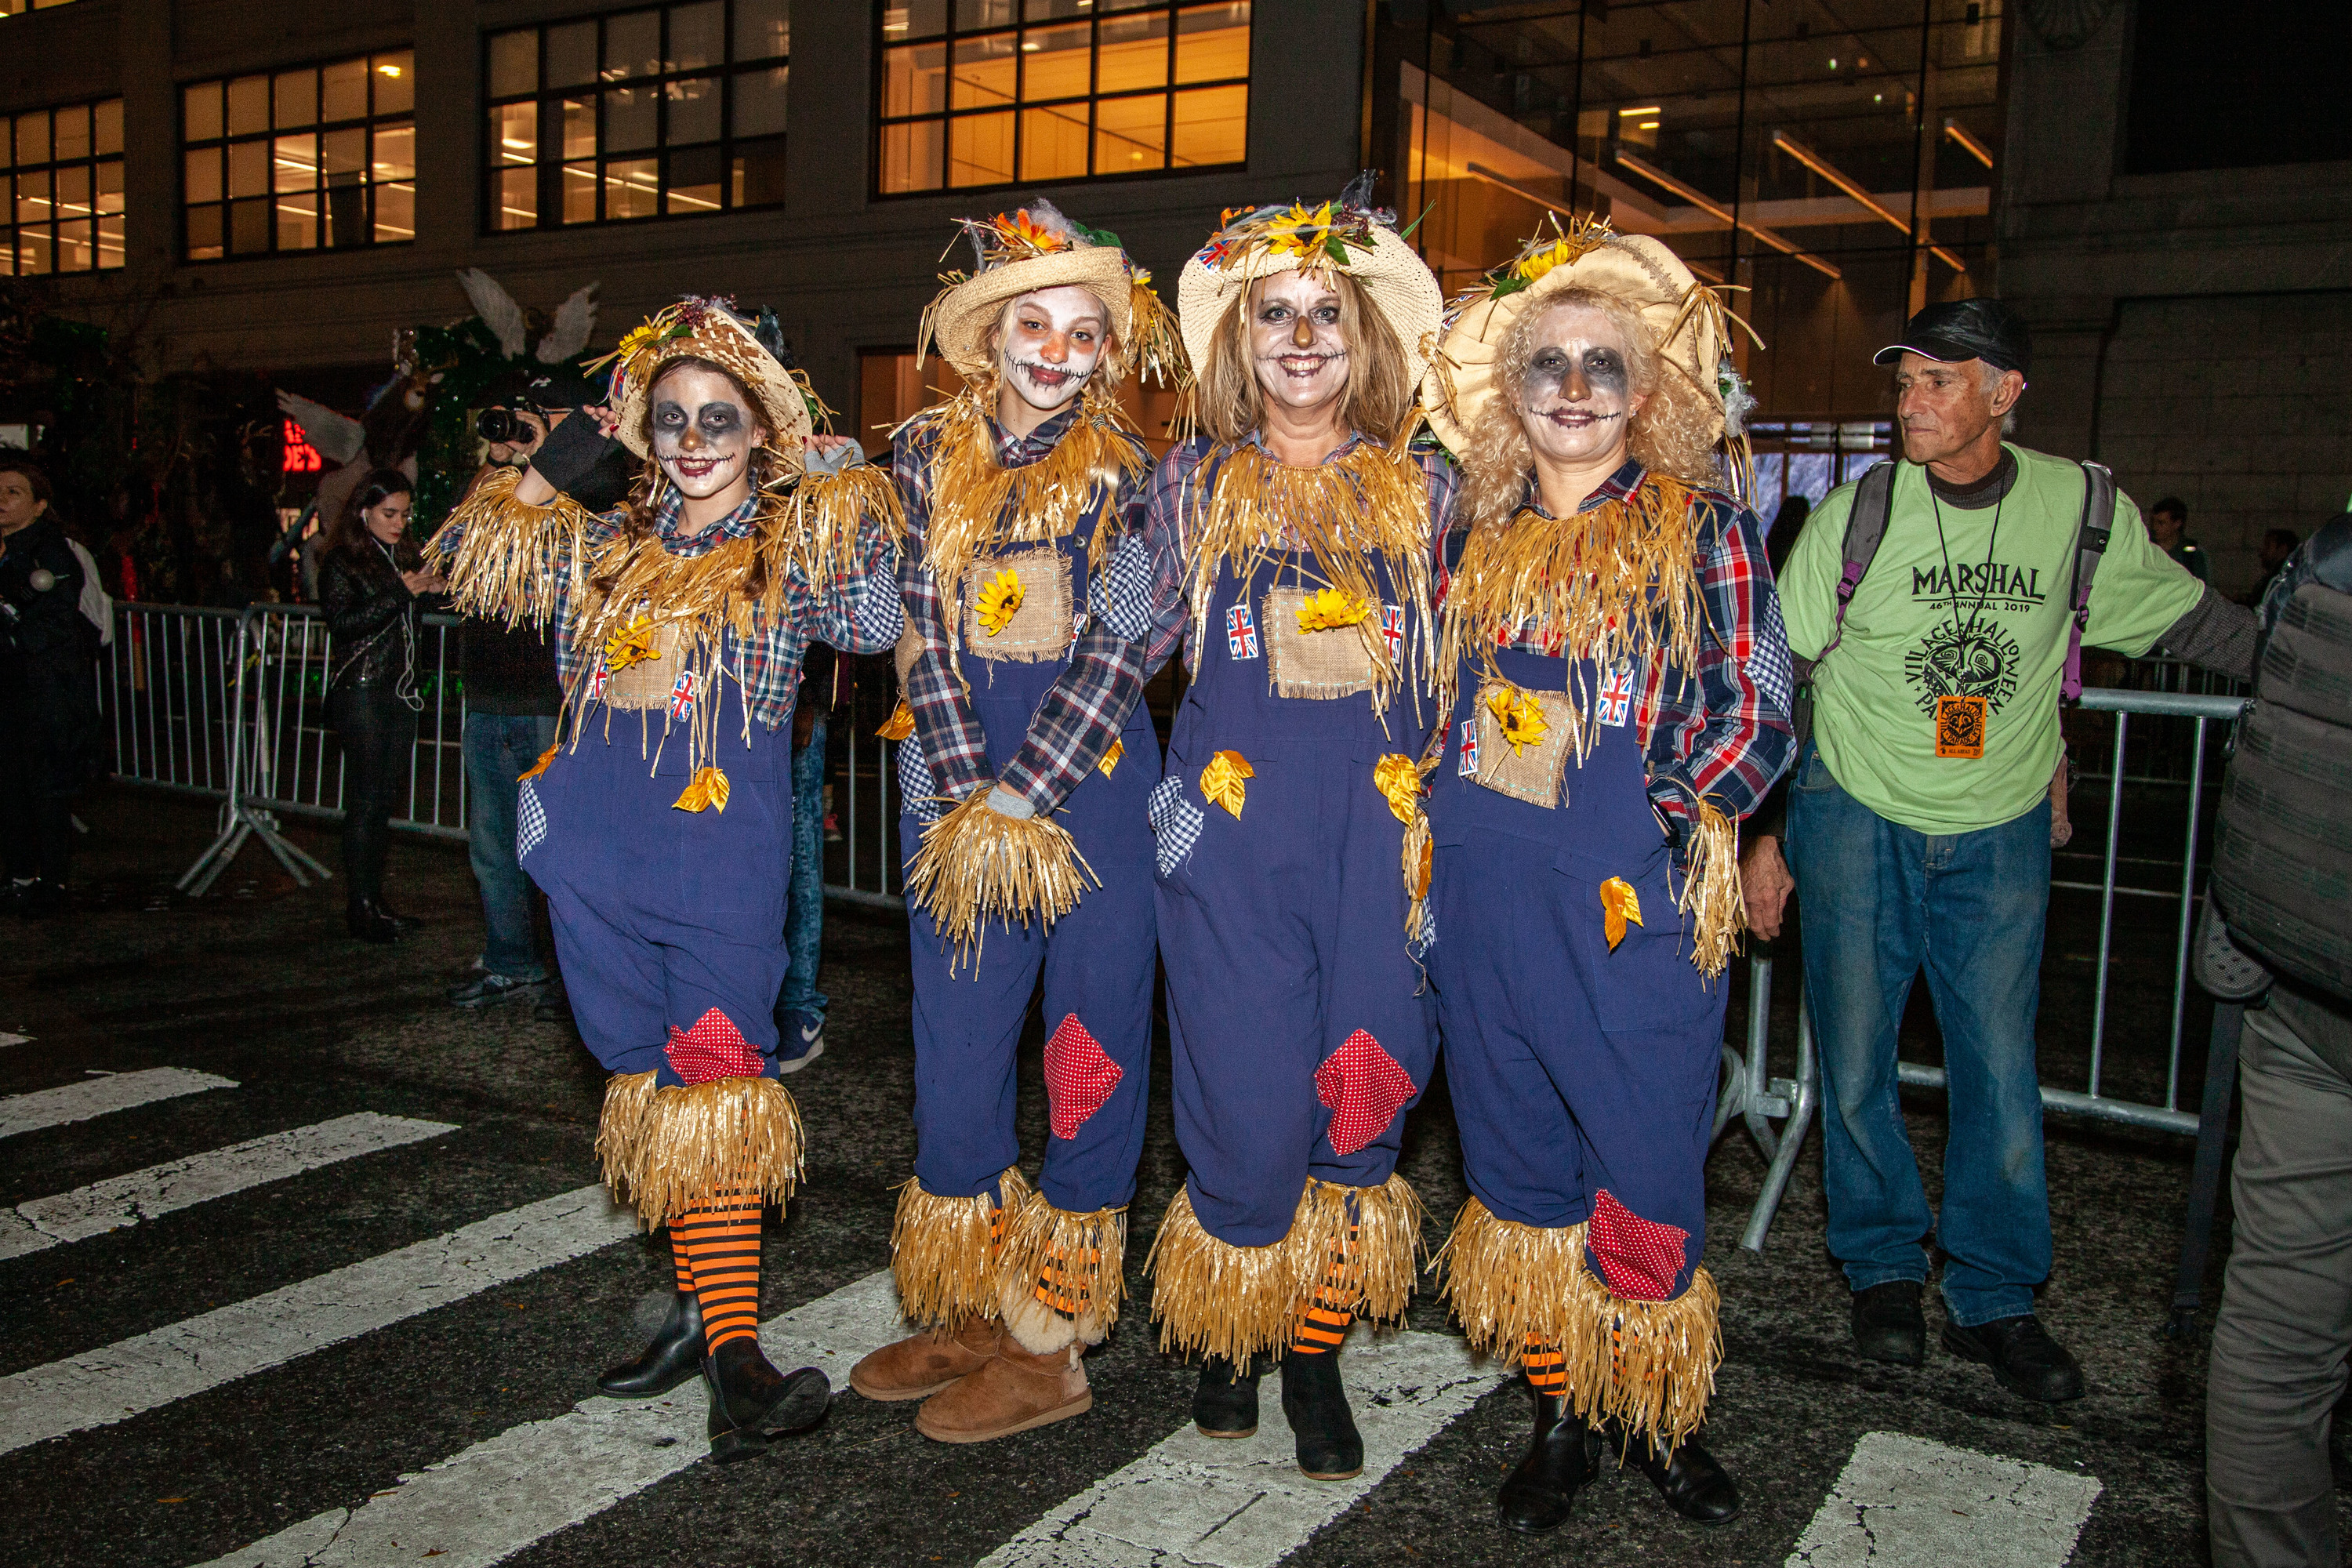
(1564, 247)
(1330, 234)
(1327, 609)
(630, 644)
(1000, 601)
(1520, 715)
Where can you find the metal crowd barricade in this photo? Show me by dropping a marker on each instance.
(166, 687)
(1760, 1100)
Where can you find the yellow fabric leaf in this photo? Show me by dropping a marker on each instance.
(1520, 715)
(1327, 609)
(630, 644)
(900, 724)
(1110, 763)
(709, 788)
(999, 600)
(1618, 903)
(539, 766)
(1220, 781)
(1398, 778)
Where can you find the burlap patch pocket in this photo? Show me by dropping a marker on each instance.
(1334, 662)
(1533, 769)
(647, 683)
(1039, 627)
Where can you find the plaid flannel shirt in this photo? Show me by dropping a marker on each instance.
(857, 614)
(1175, 494)
(1089, 701)
(1725, 731)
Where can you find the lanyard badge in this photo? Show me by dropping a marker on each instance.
(1961, 726)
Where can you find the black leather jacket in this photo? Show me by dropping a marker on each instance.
(373, 617)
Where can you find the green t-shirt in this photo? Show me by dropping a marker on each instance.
(1907, 642)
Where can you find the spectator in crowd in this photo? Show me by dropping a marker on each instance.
(800, 1011)
(2278, 543)
(1919, 825)
(1780, 536)
(49, 694)
(371, 574)
(2167, 525)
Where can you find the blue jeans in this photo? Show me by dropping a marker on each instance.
(805, 905)
(1878, 900)
(499, 748)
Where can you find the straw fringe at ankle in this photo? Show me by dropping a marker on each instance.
(940, 1253)
(1648, 1365)
(1233, 1303)
(667, 1150)
(1088, 1254)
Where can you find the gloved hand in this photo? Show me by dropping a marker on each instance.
(1010, 802)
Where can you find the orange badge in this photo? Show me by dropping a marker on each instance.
(1960, 726)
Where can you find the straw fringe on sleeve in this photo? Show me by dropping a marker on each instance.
(508, 555)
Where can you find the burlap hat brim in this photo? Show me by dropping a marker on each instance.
(1398, 280)
(781, 409)
(1634, 268)
(964, 314)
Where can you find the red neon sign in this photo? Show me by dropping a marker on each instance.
(301, 458)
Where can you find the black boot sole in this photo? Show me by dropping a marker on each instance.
(807, 1396)
(646, 1390)
(1966, 1351)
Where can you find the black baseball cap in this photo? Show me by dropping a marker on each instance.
(1964, 330)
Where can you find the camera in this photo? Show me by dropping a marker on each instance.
(500, 426)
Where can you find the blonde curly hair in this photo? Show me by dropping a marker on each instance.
(1674, 434)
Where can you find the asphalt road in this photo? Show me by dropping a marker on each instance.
(259, 1303)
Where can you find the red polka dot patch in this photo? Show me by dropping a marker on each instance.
(1640, 1259)
(713, 1049)
(1363, 1086)
(1078, 1077)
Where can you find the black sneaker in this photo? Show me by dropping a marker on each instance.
(484, 986)
(1888, 1325)
(2022, 1355)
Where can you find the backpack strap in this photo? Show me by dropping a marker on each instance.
(1866, 530)
(2090, 545)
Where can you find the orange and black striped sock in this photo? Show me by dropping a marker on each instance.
(1546, 1368)
(684, 1260)
(1325, 1322)
(721, 1241)
(1058, 1281)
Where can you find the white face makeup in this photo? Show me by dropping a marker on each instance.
(702, 434)
(1576, 398)
(1051, 341)
(1296, 344)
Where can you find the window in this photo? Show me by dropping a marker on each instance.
(672, 112)
(17, 9)
(995, 93)
(323, 157)
(64, 172)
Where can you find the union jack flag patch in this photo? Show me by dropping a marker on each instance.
(1469, 768)
(596, 681)
(681, 695)
(1392, 628)
(1241, 632)
(1616, 697)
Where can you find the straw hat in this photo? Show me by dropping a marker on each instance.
(1345, 236)
(709, 329)
(1687, 319)
(1038, 247)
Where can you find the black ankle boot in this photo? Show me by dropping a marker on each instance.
(1690, 1480)
(366, 921)
(675, 1355)
(1315, 1403)
(752, 1403)
(1561, 1459)
(1225, 1402)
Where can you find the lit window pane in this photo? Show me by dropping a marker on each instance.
(346, 224)
(7, 252)
(109, 187)
(203, 234)
(248, 108)
(75, 252)
(972, 14)
(1130, 135)
(248, 169)
(73, 132)
(631, 188)
(345, 157)
(911, 158)
(758, 177)
(1212, 126)
(1054, 10)
(579, 128)
(693, 185)
(980, 150)
(342, 92)
(294, 163)
(201, 105)
(33, 138)
(248, 227)
(572, 54)
(1134, 53)
(914, 81)
(514, 133)
(916, 19)
(763, 29)
(297, 222)
(517, 195)
(395, 214)
(202, 174)
(33, 198)
(1053, 143)
(698, 34)
(514, 63)
(580, 193)
(32, 252)
(395, 83)
(395, 152)
(1212, 41)
(298, 99)
(693, 111)
(629, 120)
(633, 44)
(108, 137)
(72, 194)
(985, 71)
(760, 101)
(109, 242)
(1056, 62)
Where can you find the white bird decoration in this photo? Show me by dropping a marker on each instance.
(498, 310)
(575, 319)
(337, 436)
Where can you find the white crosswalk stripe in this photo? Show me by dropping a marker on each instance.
(141, 1374)
(1906, 1502)
(159, 1189)
(96, 1097)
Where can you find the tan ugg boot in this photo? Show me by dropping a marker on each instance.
(922, 1364)
(1018, 1389)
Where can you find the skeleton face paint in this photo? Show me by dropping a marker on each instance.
(1052, 341)
(1576, 395)
(702, 434)
(1297, 345)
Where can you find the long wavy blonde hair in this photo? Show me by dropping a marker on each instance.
(1675, 433)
